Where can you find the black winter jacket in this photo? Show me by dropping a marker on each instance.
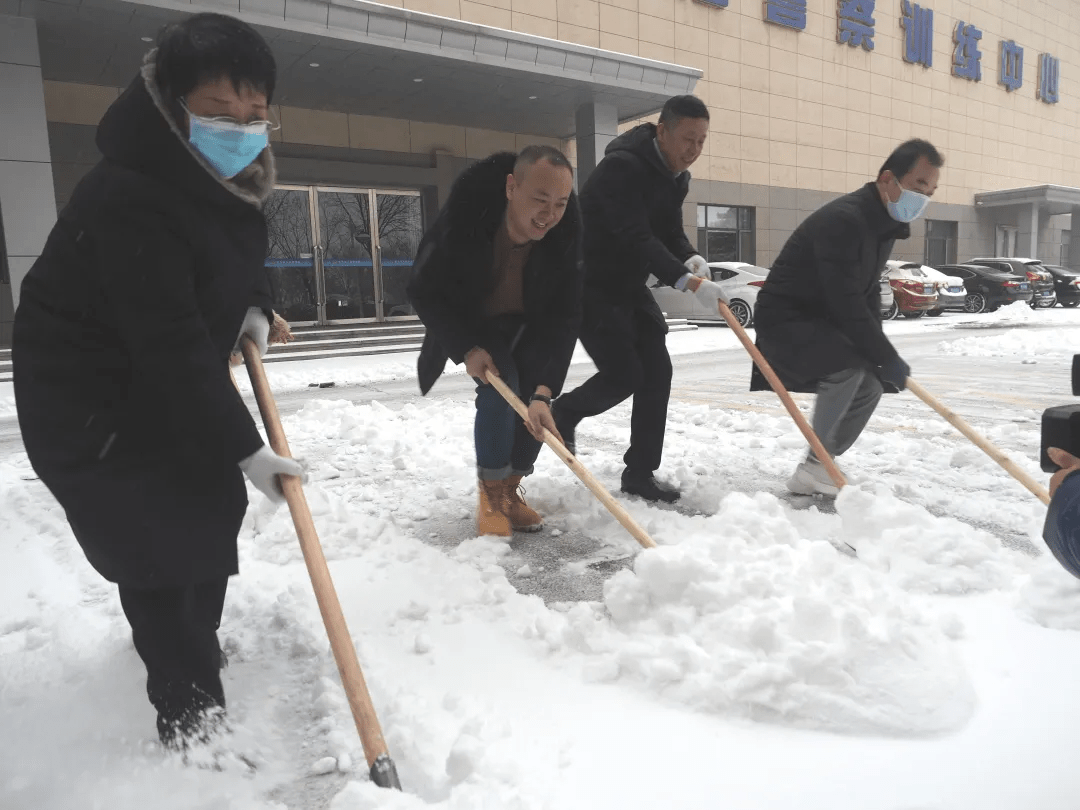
(631, 208)
(121, 346)
(819, 311)
(453, 276)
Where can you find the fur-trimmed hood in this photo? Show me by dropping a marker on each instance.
(477, 205)
(139, 131)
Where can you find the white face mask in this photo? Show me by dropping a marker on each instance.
(909, 207)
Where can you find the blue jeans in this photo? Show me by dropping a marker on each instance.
(504, 446)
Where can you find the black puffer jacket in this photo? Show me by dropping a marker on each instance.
(819, 311)
(631, 209)
(452, 278)
(121, 347)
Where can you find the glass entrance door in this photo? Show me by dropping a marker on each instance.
(290, 261)
(342, 255)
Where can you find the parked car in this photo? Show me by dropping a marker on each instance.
(888, 300)
(741, 282)
(950, 289)
(1066, 284)
(989, 288)
(915, 293)
(1042, 283)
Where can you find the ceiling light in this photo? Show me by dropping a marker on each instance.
(313, 64)
(417, 80)
(147, 39)
(532, 98)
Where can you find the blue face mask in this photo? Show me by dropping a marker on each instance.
(228, 146)
(909, 207)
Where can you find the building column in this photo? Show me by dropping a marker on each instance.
(1072, 259)
(597, 126)
(1033, 241)
(27, 197)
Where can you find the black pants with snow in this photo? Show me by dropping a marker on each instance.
(629, 348)
(175, 634)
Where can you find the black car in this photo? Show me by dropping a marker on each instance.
(1042, 283)
(987, 287)
(1066, 284)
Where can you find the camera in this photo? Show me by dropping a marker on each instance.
(1061, 425)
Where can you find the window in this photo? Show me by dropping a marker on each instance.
(940, 242)
(1066, 239)
(726, 233)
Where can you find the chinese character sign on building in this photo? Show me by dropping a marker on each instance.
(1049, 76)
(918, 25)
(788, 13)
(1012, 65)
(967, 58)
(855, 23)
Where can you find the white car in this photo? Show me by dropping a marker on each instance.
(741, 282)
(950, 289)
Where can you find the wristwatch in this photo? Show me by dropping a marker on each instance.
(540, 398)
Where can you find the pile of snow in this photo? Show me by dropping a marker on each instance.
(921, 552)
(747, 611)
(748, 618)
(1039, 334)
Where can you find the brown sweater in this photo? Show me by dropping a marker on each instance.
(508, 268)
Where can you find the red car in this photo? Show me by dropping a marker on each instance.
(915, 293)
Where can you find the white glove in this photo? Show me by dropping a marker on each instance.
(698, 266)
(257, 327)
(263, 468)
(708, 293)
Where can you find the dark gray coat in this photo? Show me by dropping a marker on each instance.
(819, 311)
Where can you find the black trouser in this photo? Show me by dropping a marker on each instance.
(175, 634)
(629, 349)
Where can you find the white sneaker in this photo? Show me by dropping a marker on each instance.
(811, 478)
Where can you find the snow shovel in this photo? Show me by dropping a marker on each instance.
(777, 386)
(576, 467)
(383, 771)
(980, 441)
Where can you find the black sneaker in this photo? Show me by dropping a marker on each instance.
(565, 429)
(647, 487)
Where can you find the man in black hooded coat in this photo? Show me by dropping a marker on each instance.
(631, 208)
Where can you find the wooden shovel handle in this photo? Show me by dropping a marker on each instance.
(576, 467)
(1033, 486)
(352, 678)
(789, 404)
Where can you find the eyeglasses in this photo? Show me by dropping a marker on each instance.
(259, 127)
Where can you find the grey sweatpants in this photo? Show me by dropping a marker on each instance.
(845, 402)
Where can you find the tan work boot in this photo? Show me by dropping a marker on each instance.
(491, 513)
(522, 517)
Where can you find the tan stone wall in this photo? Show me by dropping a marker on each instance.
(800, 110)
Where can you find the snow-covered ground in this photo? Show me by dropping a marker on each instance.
(748, 662)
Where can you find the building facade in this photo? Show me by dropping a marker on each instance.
(382, 105)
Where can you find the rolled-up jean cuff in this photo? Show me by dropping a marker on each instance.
(522, 473)
(487, 474)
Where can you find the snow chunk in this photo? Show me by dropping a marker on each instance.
(921, 552)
